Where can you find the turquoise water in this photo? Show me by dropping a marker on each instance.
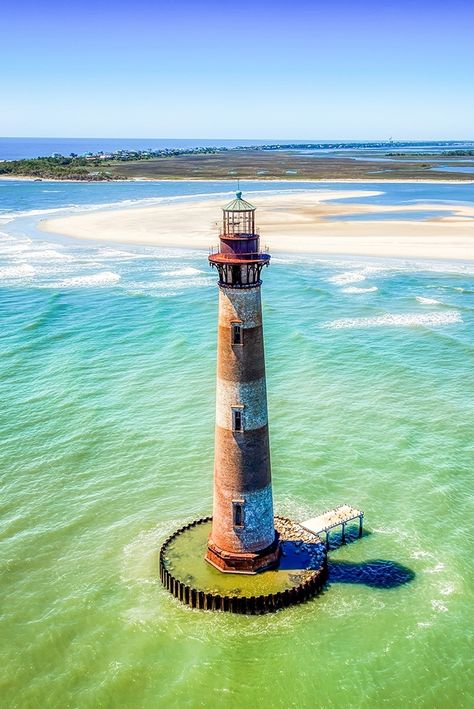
(107, 358)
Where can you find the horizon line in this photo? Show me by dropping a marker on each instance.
(279, 140)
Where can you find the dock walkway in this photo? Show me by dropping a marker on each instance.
(333, 518)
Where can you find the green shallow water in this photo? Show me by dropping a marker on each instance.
(184, 559)
(106, 420)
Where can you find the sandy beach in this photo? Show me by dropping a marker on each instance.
(306, 222)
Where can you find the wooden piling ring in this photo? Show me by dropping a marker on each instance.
(244, 604)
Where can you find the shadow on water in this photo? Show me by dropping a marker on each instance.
(375, 573)
(300, 556)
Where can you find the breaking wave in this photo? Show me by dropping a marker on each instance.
(354, 289)
(391, 320)
(50, 254)
(94, 280)
(23, 270)
(186, 271)
(427, 301)
(109, 252)
(348, 277)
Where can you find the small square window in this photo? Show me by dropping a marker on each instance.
(238, 513)
(237, 333)
(237, 420)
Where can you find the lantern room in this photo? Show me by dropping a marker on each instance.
(239, 260)
(239, 218)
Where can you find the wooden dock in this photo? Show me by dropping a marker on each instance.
(338, 516)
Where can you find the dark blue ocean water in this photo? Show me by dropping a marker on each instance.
(18, 148)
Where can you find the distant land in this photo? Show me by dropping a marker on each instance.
(288, 161)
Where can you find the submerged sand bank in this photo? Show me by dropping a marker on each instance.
(298, 222)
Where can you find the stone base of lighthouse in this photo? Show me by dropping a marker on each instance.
(299, 573)
(246, 563)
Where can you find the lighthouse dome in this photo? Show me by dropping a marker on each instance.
(239, 205)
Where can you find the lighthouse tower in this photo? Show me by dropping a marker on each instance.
(243, 537)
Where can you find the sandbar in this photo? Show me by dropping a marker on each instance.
(300, 222)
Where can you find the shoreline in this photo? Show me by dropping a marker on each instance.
(303, 222)
(233, 180)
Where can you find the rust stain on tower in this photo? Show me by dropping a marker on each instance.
(243, 537)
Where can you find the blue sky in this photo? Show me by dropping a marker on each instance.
(327, 70)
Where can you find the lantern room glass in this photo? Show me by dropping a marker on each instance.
(239, 222)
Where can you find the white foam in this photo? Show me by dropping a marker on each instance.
(186, 271)
(427, 301)
(446, 589)
(50, 254)
(439, 606)
(103, 278)
(361, 274)
(391, 267)
(354, 289)
(38, 212)
(14, 249)
(436, 569)
(152, 293)
(180, 284)
(421, 554)
(347, 277)
(116, 253)
(393, 320)
(23, 270)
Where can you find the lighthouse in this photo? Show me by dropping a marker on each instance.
(243, 537)
(214, 562)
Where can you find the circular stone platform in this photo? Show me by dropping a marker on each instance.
(301, 571)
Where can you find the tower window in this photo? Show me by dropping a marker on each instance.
(236, 275)
(237, 333)
(237, 419)
(238, 513)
